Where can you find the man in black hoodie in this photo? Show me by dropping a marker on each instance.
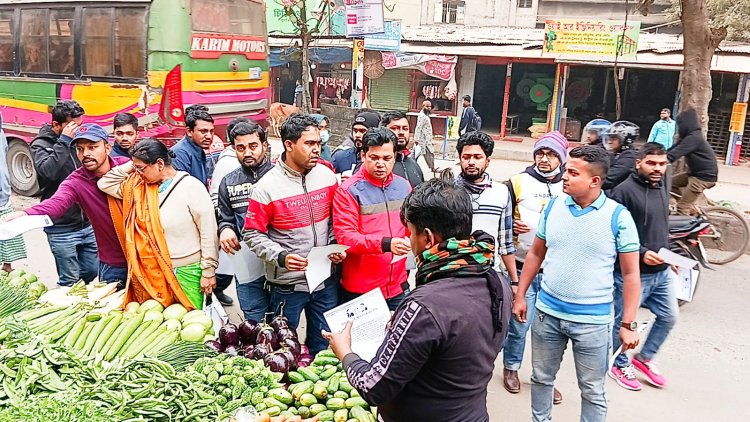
(406, 166)
(71, 238)
(702, 170)
(645, 196)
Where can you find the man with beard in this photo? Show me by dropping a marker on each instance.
(126, 132)
(289, 214)
(406, 166)
(423, 135)
(250, 145)
(79, 189)
(190, 154)
(530, 192)
(347, 156)
(646, 197)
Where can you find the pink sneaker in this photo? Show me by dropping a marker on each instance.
(625, 377)
(653, 376)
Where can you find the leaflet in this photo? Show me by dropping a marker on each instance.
(21, 225)
(318, 264)
(370, 316)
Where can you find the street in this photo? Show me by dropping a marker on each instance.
(704, 360)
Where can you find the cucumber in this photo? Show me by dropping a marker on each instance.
(304, 411)
(328, 373)
(302, 388)
(326, 416)
(333, 384)
(325, 360)
(295, 377)
(341, 395)
(326, 353)
(272, 402)
(335, 404)
(317, 408)
(320, 390)
(272, 411)
(341, 415)
(356, 401)
(281, 395)
(308, 374)
(359, 413)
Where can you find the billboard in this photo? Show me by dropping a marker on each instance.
(591, 37)
(332, 13)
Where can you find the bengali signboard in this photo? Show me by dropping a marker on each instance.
(331, 13)
(591, 37)
(390, 40)
(438, 66)
(364, 17)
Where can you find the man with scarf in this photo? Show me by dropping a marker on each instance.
(530, 192)
(439, 351)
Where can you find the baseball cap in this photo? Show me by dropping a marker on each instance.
(91, 132)
(367, 119)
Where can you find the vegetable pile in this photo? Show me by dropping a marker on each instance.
(21, 280)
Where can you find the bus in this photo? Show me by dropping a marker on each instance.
(114, 56)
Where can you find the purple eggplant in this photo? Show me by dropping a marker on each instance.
(289, 357)
(229, 335)
(285, 333)
(303, 350)
(268, 336)
(248, 331)
(304, 360)
(277, 362)
(293, 346)
(215, 346)
(232, 350)
(248, 350)
(261, 350)
(278, 322)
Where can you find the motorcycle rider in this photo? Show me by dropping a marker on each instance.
(594, 131)
(619, 140)
(645, 196)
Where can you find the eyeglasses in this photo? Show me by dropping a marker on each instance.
(140, 170)
(549, 155)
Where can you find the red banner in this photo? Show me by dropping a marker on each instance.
(171, 111)
(439, 66)
(212, 46)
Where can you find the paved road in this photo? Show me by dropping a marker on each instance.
(705, 359)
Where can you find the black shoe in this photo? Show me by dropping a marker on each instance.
(224, 299)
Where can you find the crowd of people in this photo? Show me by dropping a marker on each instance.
(547, 251)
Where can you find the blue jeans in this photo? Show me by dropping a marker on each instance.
(254, 299)
(516, 342)
(314, 304)
(549, 339)
(75, 255)
(110, 274)
(658, 295)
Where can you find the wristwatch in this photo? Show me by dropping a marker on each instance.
(632, 326)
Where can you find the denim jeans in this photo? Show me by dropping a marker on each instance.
(314, 304)
(110, 274)
(658, 295)
(75, 255)
(516, 342)
(549, 339)
(254, 299)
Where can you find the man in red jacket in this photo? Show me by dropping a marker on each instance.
(366, 218)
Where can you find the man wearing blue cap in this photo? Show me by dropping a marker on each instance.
(80, 189)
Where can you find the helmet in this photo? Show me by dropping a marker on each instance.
(626, 132)
(598, 126)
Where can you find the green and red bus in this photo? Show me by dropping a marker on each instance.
(114, 56)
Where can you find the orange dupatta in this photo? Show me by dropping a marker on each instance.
(150, 271)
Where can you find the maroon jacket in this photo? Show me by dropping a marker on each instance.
(79, 188)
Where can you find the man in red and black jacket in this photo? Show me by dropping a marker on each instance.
(366, 218)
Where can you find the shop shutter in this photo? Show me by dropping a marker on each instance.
(391, 91)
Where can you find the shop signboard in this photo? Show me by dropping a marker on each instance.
(438, 66)
(591, 37)
(281, 23)
(212, 46)
(364, 17)
(390, 40)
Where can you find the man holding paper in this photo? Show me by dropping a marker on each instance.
(289, 215)
(366, 218)
(440, 348)
(646, 197)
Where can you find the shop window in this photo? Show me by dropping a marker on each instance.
(332, 85)
(525, 4)
(450, 11)
(6, 41)
(239, 17)
(114, 42)
(426, 87)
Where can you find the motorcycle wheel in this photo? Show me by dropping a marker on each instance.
(728, 236)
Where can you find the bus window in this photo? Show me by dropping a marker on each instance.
(6, 41)
(240, 17)
(61, 41)
(33, 41)
(114, 42)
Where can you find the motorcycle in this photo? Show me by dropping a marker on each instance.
(684, 239)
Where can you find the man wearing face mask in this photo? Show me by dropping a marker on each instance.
(324, 125)
(346, 156)
(619, 140)
(530, 192)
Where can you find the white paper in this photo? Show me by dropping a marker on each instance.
(318, 264)
(672, 258)
(642, 326)
(370, 314)
(247, 266)
(687, 280)
(21, 225)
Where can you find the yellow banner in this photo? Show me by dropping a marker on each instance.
(590, 37)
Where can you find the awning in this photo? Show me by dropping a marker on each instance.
(324, 55)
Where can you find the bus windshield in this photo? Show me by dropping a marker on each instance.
(239, 17)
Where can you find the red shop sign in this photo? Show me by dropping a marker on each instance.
(212, 46)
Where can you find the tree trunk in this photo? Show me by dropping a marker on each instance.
(699, 43)
(306, 104)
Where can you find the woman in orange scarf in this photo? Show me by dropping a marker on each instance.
(168, 228)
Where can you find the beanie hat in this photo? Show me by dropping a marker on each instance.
(367, 119)
(555, 141)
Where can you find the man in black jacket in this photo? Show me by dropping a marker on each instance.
(71, 238)
(702, 170)
(618, 140)
(646, 197)
(440, 348)
(406, 166)
(251, 147)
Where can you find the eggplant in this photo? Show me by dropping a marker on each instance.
(215, 346)
(278, 322)
(248, 331)
(248, 350)
(289, 357)
(229, 335)
(268, 335)
(304, 360)
(261, 350)
(293, 345)
(286, 332)
(232, 350)
(277, 362)
(303, 350)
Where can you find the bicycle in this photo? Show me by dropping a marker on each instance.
(728, 235)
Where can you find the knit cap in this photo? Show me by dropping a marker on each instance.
(367, 119)
(555, 141)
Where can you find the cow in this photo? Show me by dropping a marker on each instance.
(277, 113)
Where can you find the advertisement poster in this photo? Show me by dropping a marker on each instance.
(584, 37)
(364, 17)
(332, 15)
(390, 40)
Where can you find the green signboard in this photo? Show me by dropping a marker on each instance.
(280, 23)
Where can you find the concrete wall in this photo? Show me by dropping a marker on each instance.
(408, 11)
(600, 9)
(486, 13)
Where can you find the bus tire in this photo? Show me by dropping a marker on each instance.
(23, 177)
